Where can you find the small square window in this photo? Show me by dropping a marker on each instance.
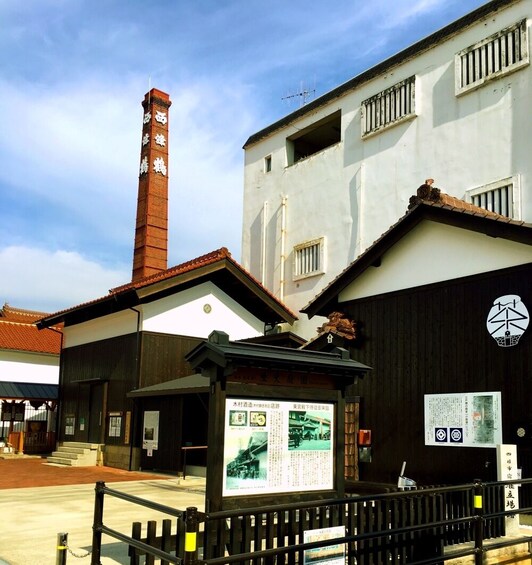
(267, 164)
(309, 258)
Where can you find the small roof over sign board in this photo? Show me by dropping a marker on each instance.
(218, 350)
(184, 385)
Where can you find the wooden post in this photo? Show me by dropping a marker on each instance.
(166, 539)
(136, 533)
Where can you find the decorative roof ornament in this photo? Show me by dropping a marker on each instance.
(340, 325)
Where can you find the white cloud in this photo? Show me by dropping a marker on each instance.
(70, 95)
(42, 280)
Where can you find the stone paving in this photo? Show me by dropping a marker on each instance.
(38, 501)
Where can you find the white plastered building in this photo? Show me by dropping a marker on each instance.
(327, 180)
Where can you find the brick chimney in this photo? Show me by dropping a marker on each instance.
(150, 255)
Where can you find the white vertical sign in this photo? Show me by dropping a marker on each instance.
(507, 471)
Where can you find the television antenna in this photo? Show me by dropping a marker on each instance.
(303, 94)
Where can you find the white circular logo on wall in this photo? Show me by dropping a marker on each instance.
(507, 320)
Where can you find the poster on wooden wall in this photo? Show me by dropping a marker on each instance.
(150, 431)
(463, 419)
(277, 446)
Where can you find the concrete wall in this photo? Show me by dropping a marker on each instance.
(351, 192)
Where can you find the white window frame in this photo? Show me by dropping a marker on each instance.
(268, 164)
(388, 108)
(514, 198)
(482, 58)
(299, 250)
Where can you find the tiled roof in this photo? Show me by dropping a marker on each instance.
(13, 314)
(20, 336)
(432, 196)
(189, 266)
(203, 260)
(426, 197)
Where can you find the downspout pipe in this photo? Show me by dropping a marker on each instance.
(137, 384)
(263, 243)
(59, 404)
(283, 252)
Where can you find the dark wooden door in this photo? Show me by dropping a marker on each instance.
(96, 414)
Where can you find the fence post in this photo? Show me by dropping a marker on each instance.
(191, 535)
(61, 555)
(97, 523)
(479, 521)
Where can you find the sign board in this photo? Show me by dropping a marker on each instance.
(463, 419)
(277, 446)
(328, 555)
(115, 424)
(150, 431)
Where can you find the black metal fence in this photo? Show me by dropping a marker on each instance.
(401, 527)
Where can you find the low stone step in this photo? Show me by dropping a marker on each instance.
(80, 444)
(66, 454)
(70, 449)
(75, 453)
(61, 461)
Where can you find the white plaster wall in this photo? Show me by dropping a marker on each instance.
(105, 327)
(184, 314)
(434, 252)
(179, 314)
(21, 367)
(354, 191)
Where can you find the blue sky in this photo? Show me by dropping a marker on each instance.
(73, 74)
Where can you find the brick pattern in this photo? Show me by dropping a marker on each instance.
(150, 254)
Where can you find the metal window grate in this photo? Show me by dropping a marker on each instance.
(308, 258)
(499, 54)
(498, 200)
(389, 106)
(501, 197)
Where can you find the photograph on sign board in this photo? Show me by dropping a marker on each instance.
(250, 465)
(309, 430)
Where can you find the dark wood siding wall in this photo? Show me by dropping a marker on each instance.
(433, 340)
(182, 421)
(110, 360)
(163, 357)
(116, 362)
